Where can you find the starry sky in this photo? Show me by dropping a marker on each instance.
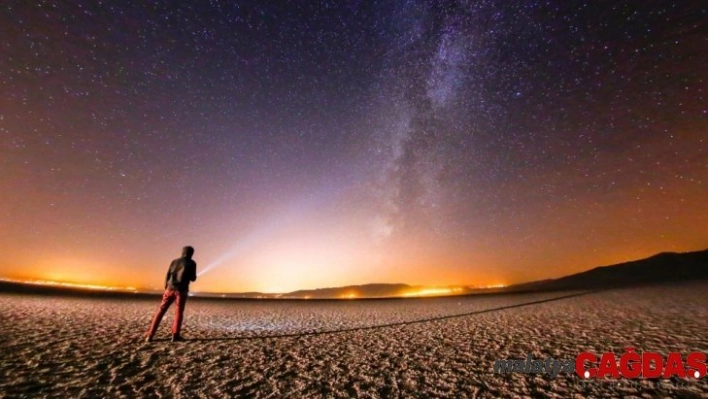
(305, 144)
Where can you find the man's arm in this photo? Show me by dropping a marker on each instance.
(167, 276)
(193, 277)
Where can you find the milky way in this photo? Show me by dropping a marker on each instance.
(309, 144)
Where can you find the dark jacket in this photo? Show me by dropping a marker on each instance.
(180, 273)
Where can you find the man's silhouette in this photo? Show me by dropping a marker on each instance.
(181, 272)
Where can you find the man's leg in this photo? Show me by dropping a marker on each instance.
(179, 313)
(167, 298)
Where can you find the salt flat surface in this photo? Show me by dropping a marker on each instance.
(77, 347)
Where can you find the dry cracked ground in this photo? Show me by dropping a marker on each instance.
(78, 347)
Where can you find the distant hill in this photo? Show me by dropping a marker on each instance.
(374, 291)
(28, 288)
(359, 292)
(660, 268)
(353, 291)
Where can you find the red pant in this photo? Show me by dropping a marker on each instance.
(167, 298)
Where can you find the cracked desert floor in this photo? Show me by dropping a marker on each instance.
(89, 347)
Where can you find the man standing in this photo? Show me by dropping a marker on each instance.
(181, 272)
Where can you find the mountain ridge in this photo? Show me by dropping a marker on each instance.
(659, 268)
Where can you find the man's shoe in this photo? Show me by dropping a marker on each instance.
(177, 338)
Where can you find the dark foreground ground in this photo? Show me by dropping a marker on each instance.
(93, 347)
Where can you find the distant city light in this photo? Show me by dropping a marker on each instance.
(447, 291)
(432, 292)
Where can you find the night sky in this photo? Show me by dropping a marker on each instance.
(309, 144)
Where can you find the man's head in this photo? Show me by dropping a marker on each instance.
(187, 252)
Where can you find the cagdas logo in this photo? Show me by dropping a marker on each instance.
(646, 365)
(631, 365)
